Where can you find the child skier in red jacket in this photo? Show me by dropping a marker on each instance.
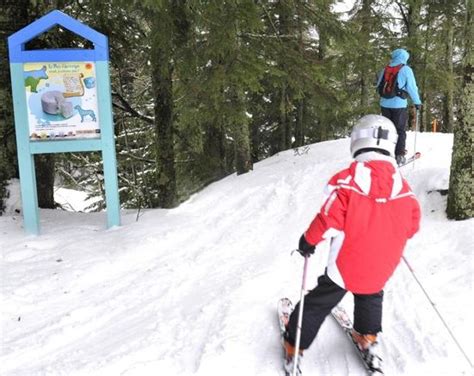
(369, 214)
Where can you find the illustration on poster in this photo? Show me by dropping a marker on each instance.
(62, 100)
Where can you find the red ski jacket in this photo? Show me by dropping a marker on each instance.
(369, 214)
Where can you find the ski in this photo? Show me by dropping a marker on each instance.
(411, 159)
(343, 319)
(284, 309)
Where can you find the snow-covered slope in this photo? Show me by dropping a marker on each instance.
(193, 290)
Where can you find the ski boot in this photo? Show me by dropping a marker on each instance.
(370, 348)
(290, 359)
(401, 160)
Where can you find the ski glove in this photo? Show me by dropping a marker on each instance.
(304, 248)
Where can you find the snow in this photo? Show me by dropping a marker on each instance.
(72, 200)
(13, 203)
(193, 290)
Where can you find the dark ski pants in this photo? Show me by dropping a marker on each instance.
(399, 117)
(319, 302)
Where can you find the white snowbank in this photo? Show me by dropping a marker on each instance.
(193, 291)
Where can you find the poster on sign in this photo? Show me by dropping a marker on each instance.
(61, 100)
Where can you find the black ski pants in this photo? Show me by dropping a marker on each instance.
(319, 302)
(399, 117)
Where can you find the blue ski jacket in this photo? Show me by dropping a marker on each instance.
(406, 81)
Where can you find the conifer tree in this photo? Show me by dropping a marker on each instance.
(448, 103)
(13, 17)
(461, 183)
(165, 32)
(204, 89)
(17, 15)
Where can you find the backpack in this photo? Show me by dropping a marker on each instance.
(388, 86)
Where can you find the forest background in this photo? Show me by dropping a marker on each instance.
(203, 89)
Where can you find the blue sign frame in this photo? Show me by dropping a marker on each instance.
(27, 148)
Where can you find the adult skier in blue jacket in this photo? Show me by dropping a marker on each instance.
(395, 108)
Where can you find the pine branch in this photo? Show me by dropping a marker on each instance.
(270, 36)
(69, 175)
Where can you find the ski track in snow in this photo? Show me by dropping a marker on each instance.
(193, 290)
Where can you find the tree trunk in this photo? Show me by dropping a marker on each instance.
(284, 14)
(243, 163)
(44, 164)
(414, 41)
(322, 131)
(255, 141)
(215, 151)
(284, 128)
(241, 132)
(448, 102)
(413, 31)
(461, 179)
(162, 84)
(299, 123)
(322, 126)
(425, 119)
(300, 103)
(365, 45)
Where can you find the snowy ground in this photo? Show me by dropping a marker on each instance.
(193, 290)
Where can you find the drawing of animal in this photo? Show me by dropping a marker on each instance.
(32, 78)
(85, 113)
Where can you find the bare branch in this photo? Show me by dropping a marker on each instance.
(402, 11)
(126, 107)
(129, 155)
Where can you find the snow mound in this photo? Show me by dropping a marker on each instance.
(193, 290)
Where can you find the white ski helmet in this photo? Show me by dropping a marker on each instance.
(374, 132)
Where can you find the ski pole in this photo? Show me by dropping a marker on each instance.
(300, 317)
